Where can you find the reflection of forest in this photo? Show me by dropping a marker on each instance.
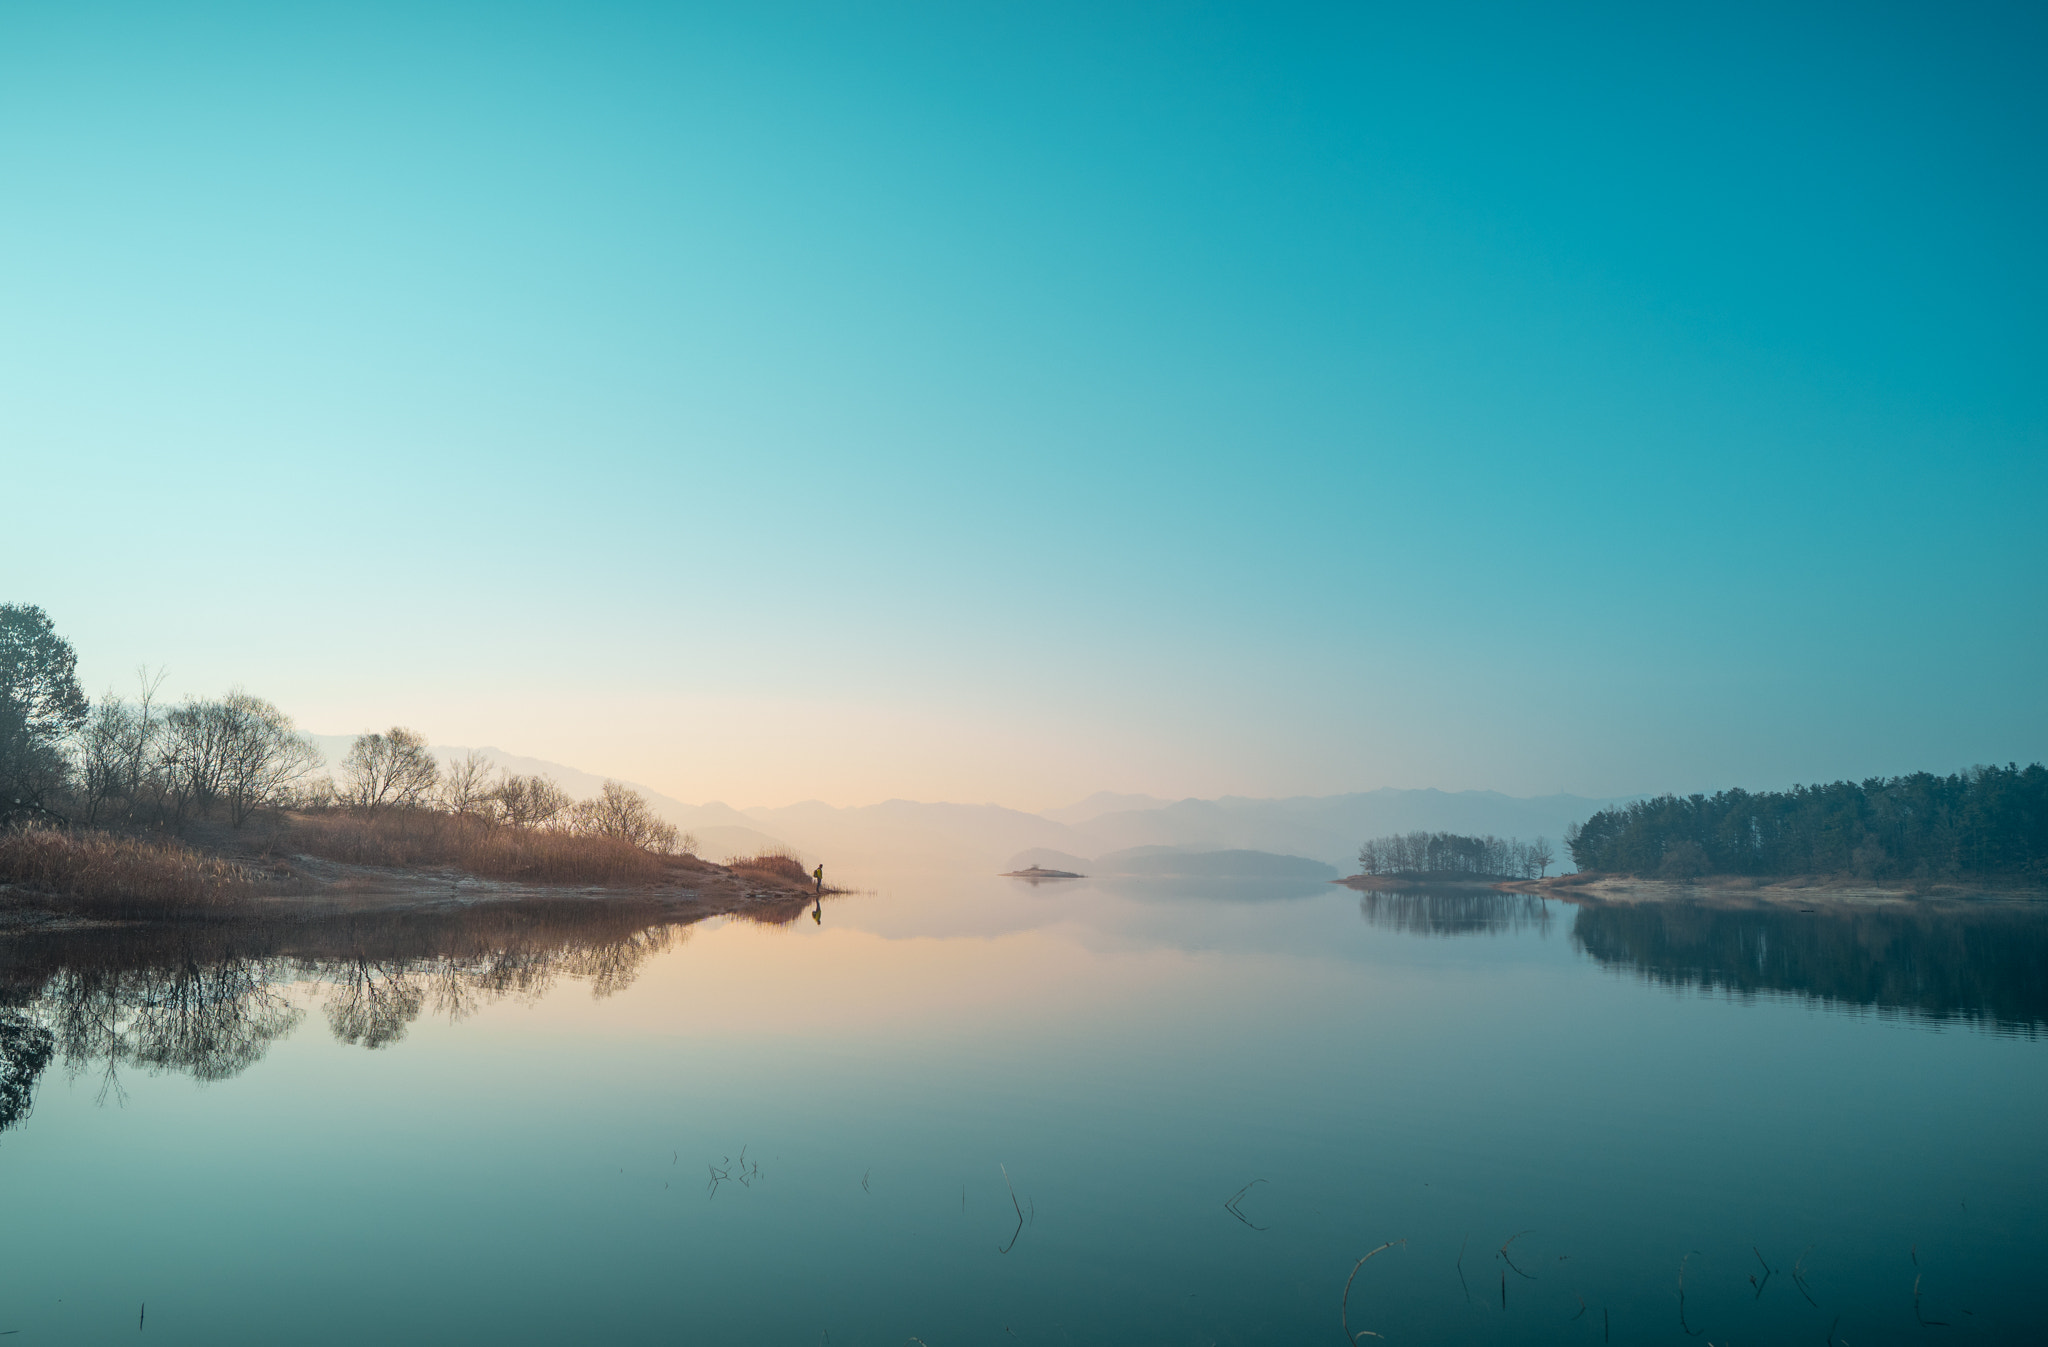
(1971, 963)
(1453, 911)
(209, 1002)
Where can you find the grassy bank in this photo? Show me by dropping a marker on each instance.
(420, 839)
(104, 875)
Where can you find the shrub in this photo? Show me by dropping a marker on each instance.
(771, 866)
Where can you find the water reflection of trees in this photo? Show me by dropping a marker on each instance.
(1446, 912)
(208, 1003)
(1979, 964)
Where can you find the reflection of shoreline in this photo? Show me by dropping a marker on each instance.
(208, 1000)
(1452, 909)
(1978, 963)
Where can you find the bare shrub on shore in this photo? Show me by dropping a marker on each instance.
(102, 874)
(771, 866)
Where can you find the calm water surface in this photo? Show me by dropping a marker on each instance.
(1691, 1124)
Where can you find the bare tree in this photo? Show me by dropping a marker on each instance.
(531, 801)
(193, 757)
(620, 812)
(470, 785)
(264, 758)
(102, 753)
(1542, 856)
(388, 771)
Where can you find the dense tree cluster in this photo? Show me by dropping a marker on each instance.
(1425, 853)
(40, 704)
(1986, 821)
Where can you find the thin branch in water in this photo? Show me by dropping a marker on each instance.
(1461, 1266)
(1582, 1310)
(1511, 1262)
(1799, 1276)
(1015, 1203)
(1344, 1307)
(1925, 1322)
(1503, 1290)
(1688, 1329)
(864, 1181)
(1230, 1204)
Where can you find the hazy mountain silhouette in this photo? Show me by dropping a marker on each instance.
(1180, 863)
(914, 834)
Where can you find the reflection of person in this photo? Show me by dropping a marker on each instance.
(819, 875)
(818, 912)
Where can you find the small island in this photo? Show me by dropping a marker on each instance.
(1040, 872)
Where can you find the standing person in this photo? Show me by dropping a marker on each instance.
(819, 875)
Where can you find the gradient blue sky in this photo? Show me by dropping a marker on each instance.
(1005, 402)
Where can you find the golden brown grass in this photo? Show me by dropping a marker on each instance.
(408, 839)
(101, 874)
(770, 867)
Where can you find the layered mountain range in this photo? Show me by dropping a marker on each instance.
(902, 834)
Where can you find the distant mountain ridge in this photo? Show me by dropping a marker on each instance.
(1180, 863)
(911, 833)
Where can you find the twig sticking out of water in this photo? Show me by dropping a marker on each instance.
(1503, 1290)
(1831, 1329)
(1344, 1307)
(1925, 1322)
(864, 1181)
(1582, 1309)
(1020, 1211)
(1503, 1255)
(1461, 1266)
(718, 1176)
(1688, 1329)
(1230, 1204)
(1799, 1276)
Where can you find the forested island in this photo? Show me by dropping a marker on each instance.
(1986, 823)
(1440, 857)
(125, 808)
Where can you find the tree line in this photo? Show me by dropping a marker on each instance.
(1985, 821)
(1433, 854)
(139, 761)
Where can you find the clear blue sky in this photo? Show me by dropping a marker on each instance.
(1006, 402)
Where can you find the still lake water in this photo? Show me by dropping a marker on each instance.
(483, 1128)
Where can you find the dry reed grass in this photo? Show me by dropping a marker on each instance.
(778, 867)
(102, 874)
(411, 838)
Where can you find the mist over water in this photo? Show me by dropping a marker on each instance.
(975, 1110)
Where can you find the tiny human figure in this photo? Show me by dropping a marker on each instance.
(819, 875)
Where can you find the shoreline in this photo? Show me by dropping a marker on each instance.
(300, 887)
(1783, 891)
(1790, 891)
